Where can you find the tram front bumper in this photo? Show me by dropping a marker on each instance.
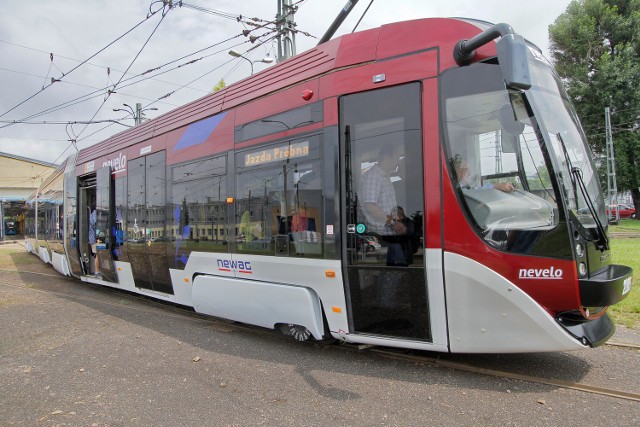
(606, 287)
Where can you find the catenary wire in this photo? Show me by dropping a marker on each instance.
(164, 14)
(78, 66)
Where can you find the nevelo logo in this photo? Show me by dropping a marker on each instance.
(541, 273)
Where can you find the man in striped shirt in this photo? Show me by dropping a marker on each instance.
(378, 195)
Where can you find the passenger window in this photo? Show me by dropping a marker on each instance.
(198, 209)
(279, 200)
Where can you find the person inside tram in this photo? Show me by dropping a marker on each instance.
(378, 194)
(386, 220)
(93, 239)
(401, 247)
(463, 174)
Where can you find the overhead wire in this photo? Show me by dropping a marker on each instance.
(99, 92)
(165, 96)
(77, 60)
(182, 65)
(73, 139)
(164, 14)
(78, 66)
(96, 89)
(89, 96)
(362, 16)
(119, 85)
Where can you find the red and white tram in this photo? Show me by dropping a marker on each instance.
(268, 201)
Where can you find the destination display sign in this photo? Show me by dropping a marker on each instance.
(278, 153)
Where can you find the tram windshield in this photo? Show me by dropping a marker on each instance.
(560, 126)
(504, 157)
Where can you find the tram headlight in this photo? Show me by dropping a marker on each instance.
(582, 269)
(580, 250)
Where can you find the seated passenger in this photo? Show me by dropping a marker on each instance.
(463, 173)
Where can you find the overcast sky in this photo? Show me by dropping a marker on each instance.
(75, 30)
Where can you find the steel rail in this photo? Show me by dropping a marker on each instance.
(620, 394)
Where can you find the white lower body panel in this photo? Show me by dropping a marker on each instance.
(60, 263)
(489, 314)
(258, 303)
(43, 253)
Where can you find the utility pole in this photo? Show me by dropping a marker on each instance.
(138, 115)
(612, 186)
(286, 30)
(499, 136)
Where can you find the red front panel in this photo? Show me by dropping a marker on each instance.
(432, 176)
(553, 283)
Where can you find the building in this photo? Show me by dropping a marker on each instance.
(19, 177)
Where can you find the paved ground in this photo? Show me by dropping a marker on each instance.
(75, 355)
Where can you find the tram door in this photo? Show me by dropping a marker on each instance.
(105, 214)
(71, 226)
(86, 194)
(146, 242)
(380, 140)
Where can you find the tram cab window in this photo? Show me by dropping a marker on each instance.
(499, 164)
(279, 199)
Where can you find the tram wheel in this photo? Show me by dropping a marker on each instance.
(298, 332)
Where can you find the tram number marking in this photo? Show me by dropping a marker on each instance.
(228, 265)
(541, 273)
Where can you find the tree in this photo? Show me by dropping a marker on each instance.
(595, 46)
(221, 85)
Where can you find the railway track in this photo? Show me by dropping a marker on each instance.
(436, 361)
(169, 310)
(626, 235)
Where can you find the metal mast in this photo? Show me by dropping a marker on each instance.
(286, 30)
(612, 186)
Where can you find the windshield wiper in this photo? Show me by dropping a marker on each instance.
(602, 242)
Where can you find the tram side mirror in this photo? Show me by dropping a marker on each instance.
(512, 56)
(508, 121)
(508, 143)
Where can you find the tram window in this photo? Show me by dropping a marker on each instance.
(200, 169)
(292, 119)
(198, 215)
(279, 205)
(136, 214)
(70, 213)
(121, 217)
(499, 162)
(156, 196)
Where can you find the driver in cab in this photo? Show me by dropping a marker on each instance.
(463, 173)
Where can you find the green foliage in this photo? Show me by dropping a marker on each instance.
(595, 46)
(221, 85)
(627, 252)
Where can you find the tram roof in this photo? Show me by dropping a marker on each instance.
(387, 41)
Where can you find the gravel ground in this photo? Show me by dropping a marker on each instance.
(84, 356)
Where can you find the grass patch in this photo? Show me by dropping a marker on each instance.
(626, 225)
(627, 252)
